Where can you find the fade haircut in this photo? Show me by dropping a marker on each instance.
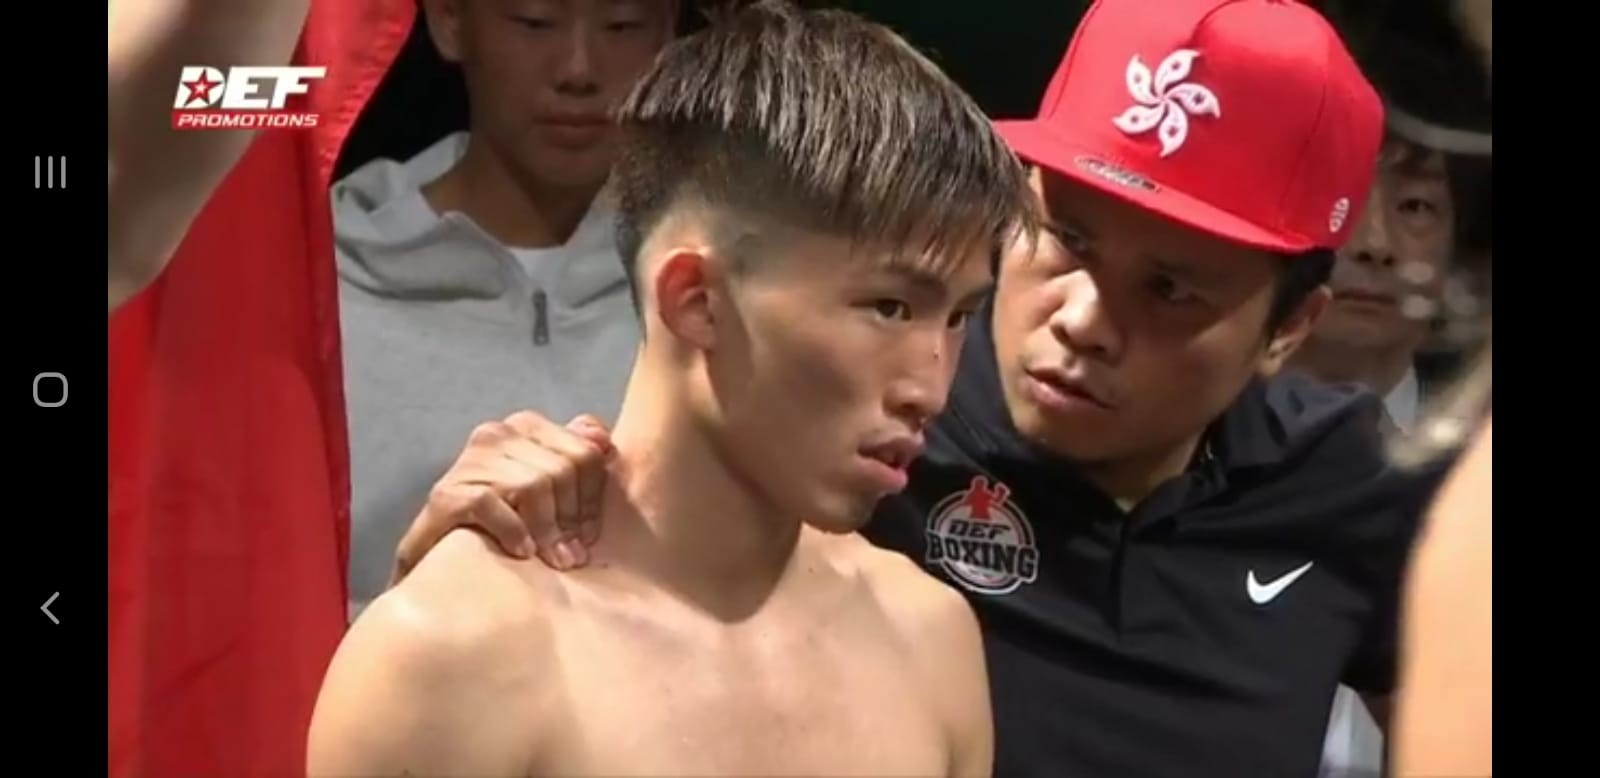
(818, 120)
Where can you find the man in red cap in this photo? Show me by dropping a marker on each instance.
(1176, 555)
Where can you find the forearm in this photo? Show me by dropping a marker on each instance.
(159, 178)
(1443, 718)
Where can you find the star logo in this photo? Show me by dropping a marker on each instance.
(199, 90)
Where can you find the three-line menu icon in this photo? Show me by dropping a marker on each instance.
(50, 172)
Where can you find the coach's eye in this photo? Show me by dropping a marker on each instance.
(1171, 290)
(1071, 240)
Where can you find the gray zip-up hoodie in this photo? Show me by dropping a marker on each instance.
(443, 328)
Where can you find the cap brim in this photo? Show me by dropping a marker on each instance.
(1036, 143)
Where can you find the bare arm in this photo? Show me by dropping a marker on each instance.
(432, 679)
(1444, 722)
(947, 649)
(158, 177)
(973, 722)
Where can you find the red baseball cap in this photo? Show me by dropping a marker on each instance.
(1245, 119)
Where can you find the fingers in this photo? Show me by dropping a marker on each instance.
(454, 504)
(556, 488)
(592, 475)
(585, 445)
(536, 506)
(554, 478)
(593, 430)
(534, 486)
(523, 465)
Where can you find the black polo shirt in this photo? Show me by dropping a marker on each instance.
(1202, 634)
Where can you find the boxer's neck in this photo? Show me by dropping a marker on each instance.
(677, 513)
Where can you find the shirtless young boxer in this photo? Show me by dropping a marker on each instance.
(808, 212)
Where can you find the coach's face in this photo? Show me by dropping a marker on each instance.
(1122, 337)
(543, 75)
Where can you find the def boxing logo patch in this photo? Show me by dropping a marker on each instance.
(982, 540)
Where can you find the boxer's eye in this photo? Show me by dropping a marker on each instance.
(888, 308)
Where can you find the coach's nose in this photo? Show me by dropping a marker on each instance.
(1082, 322)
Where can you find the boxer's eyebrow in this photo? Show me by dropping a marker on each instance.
(924, 282)
(936, 289)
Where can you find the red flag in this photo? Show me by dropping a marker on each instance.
(228, 468)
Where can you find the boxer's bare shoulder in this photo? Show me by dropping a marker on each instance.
(919, 605)
(939, 641)
(442, 674)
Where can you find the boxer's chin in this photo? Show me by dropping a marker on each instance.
(843, 513)
(838, 528)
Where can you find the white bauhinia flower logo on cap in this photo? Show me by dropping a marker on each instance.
(1171, 101)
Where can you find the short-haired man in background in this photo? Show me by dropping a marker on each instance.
(811, 210)
(1405, 268)
(1403, 281)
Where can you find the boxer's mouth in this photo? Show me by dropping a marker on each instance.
(897, 452)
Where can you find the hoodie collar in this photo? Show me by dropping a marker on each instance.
(395, 241)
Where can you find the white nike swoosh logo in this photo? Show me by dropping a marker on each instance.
(1263, 593)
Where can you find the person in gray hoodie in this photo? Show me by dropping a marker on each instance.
(481, 276)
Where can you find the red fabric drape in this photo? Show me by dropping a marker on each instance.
(228, 469)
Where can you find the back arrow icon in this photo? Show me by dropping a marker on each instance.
(46, 608)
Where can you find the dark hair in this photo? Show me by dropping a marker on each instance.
(1469, 178)
(813, 119)
(1423, 67)
(1298, 276)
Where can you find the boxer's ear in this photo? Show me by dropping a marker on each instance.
(686, 292)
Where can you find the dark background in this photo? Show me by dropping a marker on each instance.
(1002, 52)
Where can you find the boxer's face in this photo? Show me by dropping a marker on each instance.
(1389, 276)
(1121, 339)
(542, 75)
(823, 363)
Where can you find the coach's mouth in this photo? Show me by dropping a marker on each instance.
(1061, 388)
